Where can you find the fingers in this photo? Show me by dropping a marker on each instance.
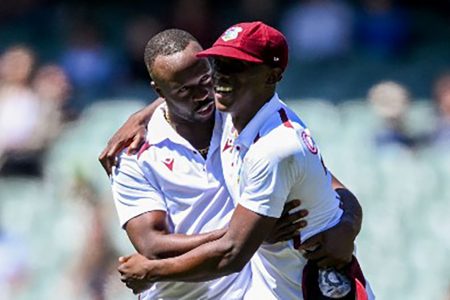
(290, 205)
(289, 225)
(289, 232)
(337, 262)
(312, 243)
(124, 259)
(294, 217)
(136, 287)
(102, 159)
(108, 158)
(138, 139)
(115, 149)
(122, 268)
(315, 255)
(325, 263)
(290, 219)
(330, 262)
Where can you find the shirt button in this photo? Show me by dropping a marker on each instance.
(238, 148)
(195, 152)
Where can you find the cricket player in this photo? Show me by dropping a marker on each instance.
(268, 156)
(171, 196)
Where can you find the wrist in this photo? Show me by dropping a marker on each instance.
(151, 268)
(217, 234)
(143, 117)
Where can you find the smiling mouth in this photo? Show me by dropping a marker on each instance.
(205, 107)
(222, 84)
(223, 89)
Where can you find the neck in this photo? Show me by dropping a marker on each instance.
(245, 114)
(197, 133)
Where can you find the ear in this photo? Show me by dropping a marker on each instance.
(157, 89)
(275, 75)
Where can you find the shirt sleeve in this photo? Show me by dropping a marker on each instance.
(133, 192)
(267, 182)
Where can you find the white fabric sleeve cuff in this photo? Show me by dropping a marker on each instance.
(134, 193)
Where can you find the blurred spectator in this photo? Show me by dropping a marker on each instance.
(137, 33)
(441, 136)
(14, 265)
(98, 260)
(263, 10)
(53, 89)
(98, 257)
(447, 293)
(90, 65)
(391, 102)
(31, 113)
(19, 110)
(318, 29)
(196, 17)
(383, 28)
(15, 8)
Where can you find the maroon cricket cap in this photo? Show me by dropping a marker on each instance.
(253, 42)
(310, 285)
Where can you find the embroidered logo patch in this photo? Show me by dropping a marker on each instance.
(309, 142)
(231, 33)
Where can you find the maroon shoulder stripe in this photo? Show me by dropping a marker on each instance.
(284, 118)
(144, 147)
(256, 138)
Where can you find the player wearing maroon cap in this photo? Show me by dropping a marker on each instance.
(243, 89)
(249, 59)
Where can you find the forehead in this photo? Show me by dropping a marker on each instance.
(182, 66)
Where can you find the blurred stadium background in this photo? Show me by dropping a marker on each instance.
(368, 77)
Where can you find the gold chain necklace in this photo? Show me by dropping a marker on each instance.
(203, 151)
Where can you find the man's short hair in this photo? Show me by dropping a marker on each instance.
(166, 43)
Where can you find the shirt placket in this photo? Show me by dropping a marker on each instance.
(237, 162)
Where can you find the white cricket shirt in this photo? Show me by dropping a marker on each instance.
(168, 174)
(274, 160)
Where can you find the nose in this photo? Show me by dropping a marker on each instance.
(217, 75)
(202, 93)
(220, 78)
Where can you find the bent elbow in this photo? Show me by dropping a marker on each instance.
(150, 248)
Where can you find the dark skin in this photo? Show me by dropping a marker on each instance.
(149, 231)
(184, 83)
(150, 235)
(240, 110)
(247, 229)
(330, 251)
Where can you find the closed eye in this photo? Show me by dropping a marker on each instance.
(183, 89)
(206, 78)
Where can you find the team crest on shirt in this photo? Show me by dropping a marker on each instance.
(309, 142)
(231, 33)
